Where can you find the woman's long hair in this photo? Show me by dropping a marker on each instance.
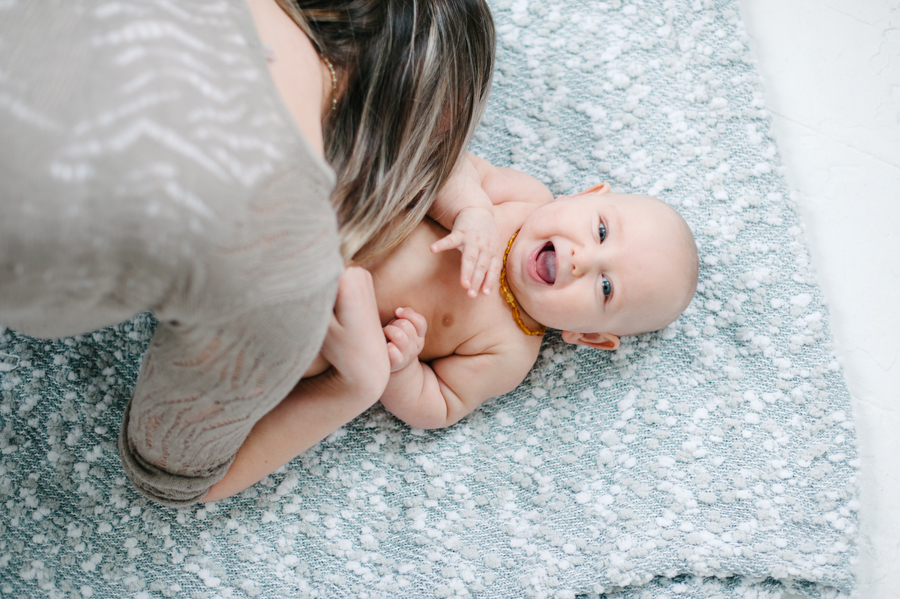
(413, 84)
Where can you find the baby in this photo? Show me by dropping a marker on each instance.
(595, 265)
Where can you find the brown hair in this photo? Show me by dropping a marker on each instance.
(414, 80)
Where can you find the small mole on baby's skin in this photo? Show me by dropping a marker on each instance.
(447, 321)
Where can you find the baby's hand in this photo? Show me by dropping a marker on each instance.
(406, 338)
(475, 234)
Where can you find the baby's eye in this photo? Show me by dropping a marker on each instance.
(607, 287)
(602, 231)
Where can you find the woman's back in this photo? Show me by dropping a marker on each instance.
(167, 123)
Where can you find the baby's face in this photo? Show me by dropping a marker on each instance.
(600, 262)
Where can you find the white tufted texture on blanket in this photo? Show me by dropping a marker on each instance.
(715, 458)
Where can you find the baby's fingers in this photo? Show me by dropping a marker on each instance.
(467, 269)
(475, 266)
(402, 333)
(492, 277)
(451, 241)
(403, 345)
(396, 334)
(395, 356)
(418, 321)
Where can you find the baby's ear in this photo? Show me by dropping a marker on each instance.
(596, 340)
(598, 188)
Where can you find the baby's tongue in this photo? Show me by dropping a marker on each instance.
(546, 265)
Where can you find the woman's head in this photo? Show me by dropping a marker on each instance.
(414, 77)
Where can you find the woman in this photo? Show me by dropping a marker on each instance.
(182, 159)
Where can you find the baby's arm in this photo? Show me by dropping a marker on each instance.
(504, 185)
(437, 395)
(317, 406)
(476, 183)
(465, 207)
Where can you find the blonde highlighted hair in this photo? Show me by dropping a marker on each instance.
(414, 77)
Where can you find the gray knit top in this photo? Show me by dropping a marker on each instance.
(148, 163)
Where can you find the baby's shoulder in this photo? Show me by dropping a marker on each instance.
(512, 215)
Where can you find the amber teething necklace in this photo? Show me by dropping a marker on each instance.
(510, 298)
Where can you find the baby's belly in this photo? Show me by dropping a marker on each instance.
(446, 333)
(413, 277)
(446, 324)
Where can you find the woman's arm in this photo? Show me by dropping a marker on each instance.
(355, 347)
(315, 408)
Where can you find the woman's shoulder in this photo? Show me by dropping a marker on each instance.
(302, 81)
(176, 107)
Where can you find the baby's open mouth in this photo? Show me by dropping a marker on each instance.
(545, 264)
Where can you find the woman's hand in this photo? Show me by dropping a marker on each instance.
(406, 338)
(355, 343)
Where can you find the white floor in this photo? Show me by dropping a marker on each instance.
(832, 77)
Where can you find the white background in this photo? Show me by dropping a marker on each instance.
(831, 71)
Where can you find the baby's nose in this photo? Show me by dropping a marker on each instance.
(581, 262)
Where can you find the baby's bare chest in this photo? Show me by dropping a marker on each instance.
(414, 277)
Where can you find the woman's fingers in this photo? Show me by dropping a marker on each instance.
(354, 344)
(356, 297)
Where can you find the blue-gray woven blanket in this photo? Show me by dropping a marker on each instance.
(715, 458)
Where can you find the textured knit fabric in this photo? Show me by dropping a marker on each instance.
(713, 460)
(148, 163)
